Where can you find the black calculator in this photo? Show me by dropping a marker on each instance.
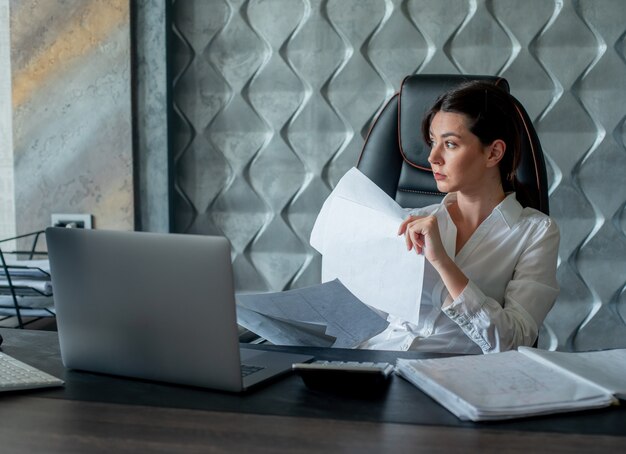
(345, 376)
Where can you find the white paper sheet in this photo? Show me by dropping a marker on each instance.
(43, 287)
(34, 274)
(606, 368)
(320, 315)
(281, 332)
(38, 269)
(356, 233)
(358, 188)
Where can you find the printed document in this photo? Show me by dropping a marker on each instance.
(322, 315)
(356, 232)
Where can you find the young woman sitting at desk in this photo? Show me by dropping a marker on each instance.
(490, 268)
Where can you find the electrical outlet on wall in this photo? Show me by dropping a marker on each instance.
(79, 221)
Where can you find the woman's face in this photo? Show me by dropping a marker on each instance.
(458, 159)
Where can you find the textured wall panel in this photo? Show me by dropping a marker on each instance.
(274, 98)
(70, 64)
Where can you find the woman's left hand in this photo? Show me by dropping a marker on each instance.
(422, 235)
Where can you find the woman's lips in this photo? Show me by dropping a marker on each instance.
(439, 176)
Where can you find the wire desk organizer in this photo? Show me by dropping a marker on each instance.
(15, 287)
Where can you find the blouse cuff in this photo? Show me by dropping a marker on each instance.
(464, 309)
(468, 303)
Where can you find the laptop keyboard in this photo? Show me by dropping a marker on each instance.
(246, 369)
(16, 375)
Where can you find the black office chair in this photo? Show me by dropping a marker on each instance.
(395, 156)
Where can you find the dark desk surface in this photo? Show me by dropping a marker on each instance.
(98, 412)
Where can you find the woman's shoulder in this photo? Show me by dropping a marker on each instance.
(534, 217)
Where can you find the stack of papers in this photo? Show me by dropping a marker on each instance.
(520, 383)
(31, 282)
(28, 274)
(357, 234)
(322, 315)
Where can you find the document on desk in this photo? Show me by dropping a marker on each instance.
(520, 383)
(321, 315)
(356, 233)
(32, 269)
(30, 274)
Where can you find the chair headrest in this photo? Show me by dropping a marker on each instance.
(417, 94)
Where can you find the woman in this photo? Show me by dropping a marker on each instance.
(490, 274)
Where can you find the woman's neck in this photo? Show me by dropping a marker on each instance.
(471, 209)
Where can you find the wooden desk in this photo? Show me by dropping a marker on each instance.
(98, 413)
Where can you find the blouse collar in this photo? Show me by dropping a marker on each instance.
(509, 209)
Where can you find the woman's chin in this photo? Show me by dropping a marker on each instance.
(442, 186)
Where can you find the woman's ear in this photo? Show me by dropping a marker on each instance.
(495, 152)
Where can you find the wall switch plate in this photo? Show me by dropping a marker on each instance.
(80, 221)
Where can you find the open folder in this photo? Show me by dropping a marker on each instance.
(520, 383)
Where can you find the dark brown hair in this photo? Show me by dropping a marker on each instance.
(491, 115)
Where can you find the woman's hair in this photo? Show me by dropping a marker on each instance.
(491, 114)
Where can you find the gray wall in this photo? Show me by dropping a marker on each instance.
(152, 175)
(71, 123)
(273, 98)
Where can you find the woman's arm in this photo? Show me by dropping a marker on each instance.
(528, 298)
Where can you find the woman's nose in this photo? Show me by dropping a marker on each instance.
(434, 157)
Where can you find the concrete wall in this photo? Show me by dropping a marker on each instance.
(71, 104)
(152, 173)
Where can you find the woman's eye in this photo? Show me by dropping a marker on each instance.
(450, 144)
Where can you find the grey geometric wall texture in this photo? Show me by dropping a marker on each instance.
(273, 99)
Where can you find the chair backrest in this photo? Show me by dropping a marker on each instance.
(395, 156)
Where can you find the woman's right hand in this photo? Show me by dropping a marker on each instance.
(422, 234)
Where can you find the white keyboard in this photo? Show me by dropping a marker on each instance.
(16, 375)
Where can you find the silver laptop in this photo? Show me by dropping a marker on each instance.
(153, 306)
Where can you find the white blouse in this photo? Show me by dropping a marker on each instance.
(510, 261)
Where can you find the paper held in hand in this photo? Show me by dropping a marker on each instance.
(356, 233)
(520, 383)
